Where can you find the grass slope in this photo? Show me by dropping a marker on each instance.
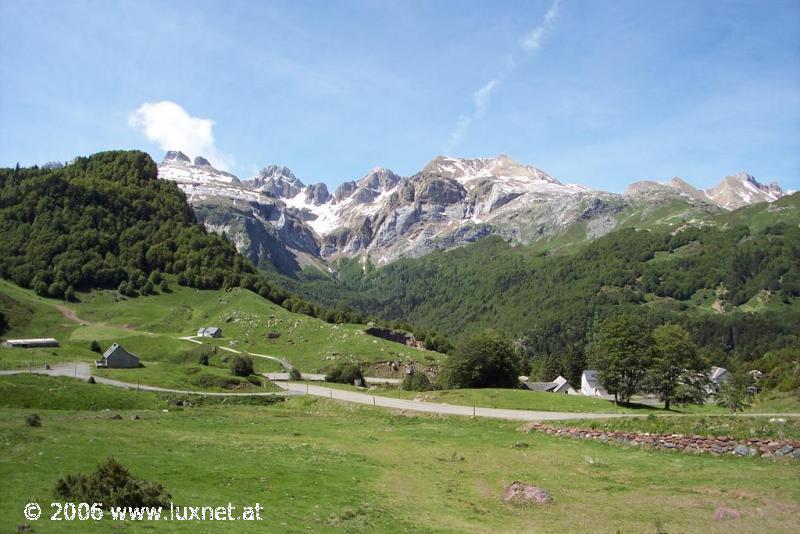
(150, 326)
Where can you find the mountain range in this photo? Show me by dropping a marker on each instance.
(279, 222)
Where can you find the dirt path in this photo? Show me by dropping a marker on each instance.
(284, 363)
(70, 315)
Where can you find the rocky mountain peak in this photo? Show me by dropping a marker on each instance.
(317, 194)
(742, 189)
(177, 167)
(682, 185)
(501, 167)
(277, 180)
(176, 156)
(279, 171)
(379, 178)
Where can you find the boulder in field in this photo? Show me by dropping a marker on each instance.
(726, 513)
(522, 493)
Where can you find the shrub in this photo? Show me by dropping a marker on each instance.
(33, 420)
(94, 346)
(164, 286)
(242, 365)
(69, 294)
(417, 382)
(253, 379)
(486, 360)
(203, 359)
(91, 380)
(147, 288)
(112, 485)
(345, 373)
(295, 374)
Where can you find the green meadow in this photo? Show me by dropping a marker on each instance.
(323, 466)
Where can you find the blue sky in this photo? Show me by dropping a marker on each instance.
(600, 93)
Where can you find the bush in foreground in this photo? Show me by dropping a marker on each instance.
(112, 485)
(345, 373)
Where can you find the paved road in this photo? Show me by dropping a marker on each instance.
(316, 377)
(82, 371)
(438, 408)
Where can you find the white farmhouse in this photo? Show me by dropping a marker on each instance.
(590, 384)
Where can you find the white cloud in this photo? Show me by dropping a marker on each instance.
(533, 39)
(530, 42)
(482, 96)
(461, 127)
(172, 128)
(480, 100)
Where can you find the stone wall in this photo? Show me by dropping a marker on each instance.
(716, 445)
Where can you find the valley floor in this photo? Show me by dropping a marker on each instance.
(319, 465)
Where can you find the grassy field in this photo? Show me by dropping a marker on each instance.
(729, 425)
(320, 466)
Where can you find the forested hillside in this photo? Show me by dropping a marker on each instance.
(107, 221)
(734, 285)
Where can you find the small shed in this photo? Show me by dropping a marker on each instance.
(30, 343)
(117, 357)
(210, 331)
(590, 384)
(562, 385)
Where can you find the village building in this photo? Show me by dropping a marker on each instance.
(559, 385)
(117, 357)
(590, 384)
(209, 331)
(30, 343)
